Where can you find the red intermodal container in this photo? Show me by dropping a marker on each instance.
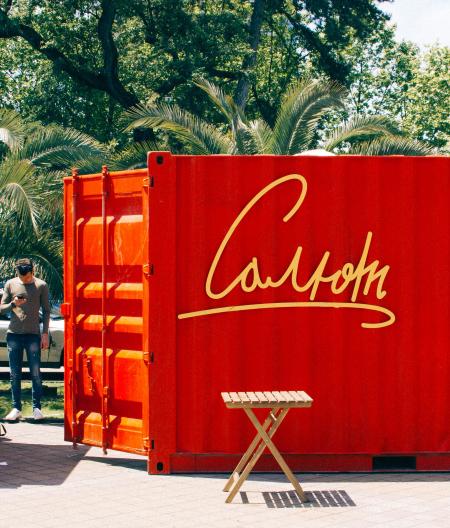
(205, 274)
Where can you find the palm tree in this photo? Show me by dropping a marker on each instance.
(44, 247)
(295, 130)
(32, 160)
(132, 156)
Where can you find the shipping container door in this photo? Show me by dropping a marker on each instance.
(105, 349)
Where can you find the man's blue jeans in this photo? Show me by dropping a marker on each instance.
(32, 344)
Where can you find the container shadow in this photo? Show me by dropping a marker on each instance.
(401, 476)
(128, 463)
(36, 464)
(382, 476)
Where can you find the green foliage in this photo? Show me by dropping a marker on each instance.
(44, 247)
(400, 81)
(201, 137)
(427, 114)
(52, 404)
(295, 129)
(36, 149)
(301, 109)
(12, 130)
(360, 128)
(133, 156)
(32, 163)
(392, 145)
(39, 92)
(61, 62)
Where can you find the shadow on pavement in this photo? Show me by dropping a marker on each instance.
(130, 463)
(36, 464)
(290, 499)
(403, 476)
(382, 476)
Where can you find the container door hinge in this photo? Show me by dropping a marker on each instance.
(148, 357)
(148, 182)
(148, 269)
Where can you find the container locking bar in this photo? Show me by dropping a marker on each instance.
(73, 326)
(105, 373)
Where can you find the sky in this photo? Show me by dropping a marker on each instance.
(421, 21)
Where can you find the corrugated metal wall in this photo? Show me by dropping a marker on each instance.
(377, 390)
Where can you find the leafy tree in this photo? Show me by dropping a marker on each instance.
(32, 161)
(44, 247)
(295, 129)
(78, 63)
(33, 88)
(427, 114)
(398, 80)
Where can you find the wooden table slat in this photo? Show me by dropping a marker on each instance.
(287, 396)
(267, 399)
(295, 396)
(262, 397)
(226, 397)
(244, 398)
(235, 397)
(253, 397)
(270, 397)
(300, 396)
(305, 396)
(280, 398)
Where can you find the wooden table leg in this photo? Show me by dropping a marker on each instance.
(276, 453)
(270, 420)
(257, 454)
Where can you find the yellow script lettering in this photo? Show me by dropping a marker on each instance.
(249, 279)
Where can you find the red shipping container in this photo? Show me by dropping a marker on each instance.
(205, 274)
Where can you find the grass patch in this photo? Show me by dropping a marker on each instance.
(52, 400)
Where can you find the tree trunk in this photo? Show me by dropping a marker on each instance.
(243, 86)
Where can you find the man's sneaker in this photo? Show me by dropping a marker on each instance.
(37, 414)
(14, 415)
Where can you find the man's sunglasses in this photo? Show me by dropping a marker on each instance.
(23, 270)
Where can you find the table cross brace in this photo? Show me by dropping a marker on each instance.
(262, 440)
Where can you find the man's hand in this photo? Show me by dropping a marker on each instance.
(18, 301)
(44, 341)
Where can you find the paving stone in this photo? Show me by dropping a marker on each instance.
(48, 484)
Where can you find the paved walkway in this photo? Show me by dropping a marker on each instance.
(44, 483)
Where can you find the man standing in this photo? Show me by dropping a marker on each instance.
(24, 296)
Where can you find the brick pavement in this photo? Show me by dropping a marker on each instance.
(44, 483)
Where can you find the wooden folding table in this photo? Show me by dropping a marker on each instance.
(279, 403)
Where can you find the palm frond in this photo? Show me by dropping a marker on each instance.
(224, 102)
(361, 128)
(91, 164)
(12, 128)
(133, 156)
(50, 187)
(262, 136)
(243, 140)
(301, 109)
(45, 250)
(198, 136)
(18, 190)
(58, 146)
(391, 145)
